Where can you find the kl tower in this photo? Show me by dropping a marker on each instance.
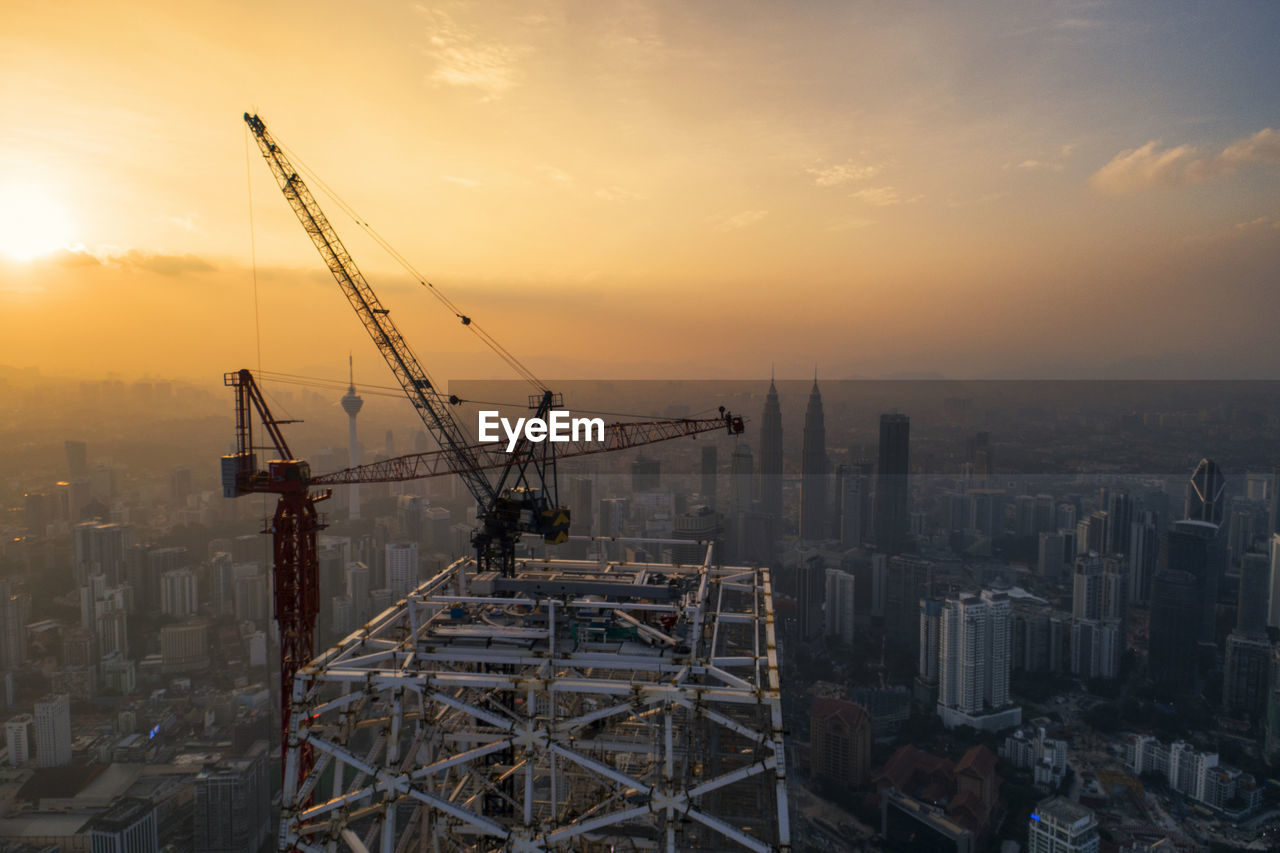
(352, 403)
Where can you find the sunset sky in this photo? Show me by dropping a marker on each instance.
(674, 189)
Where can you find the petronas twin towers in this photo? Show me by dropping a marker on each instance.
(891, 531)
(815, 519)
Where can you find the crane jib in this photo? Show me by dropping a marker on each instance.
(373, 316)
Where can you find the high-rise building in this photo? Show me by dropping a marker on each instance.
(707, 470)
(741, 478)
(341, 615)
(147, 591)
(17, 732)
(352, 403)
(180, 485)
(128, 826)
(77, 459)
(701, 524)
(1175, 609)
(358, 591)
(771, 454)
(741, 505)
(1060, 825)
(1144, 548)
(1119, 521)
(179, 593)
(14, 612)
(402, 568)
(222, 583)
(581, 506)
(1247, 664)
(1052, 556)
(975, 656)
(840, 737)
(1273, 509)
(1099, 606)
(53, 730)
(1086, 602)
(232, 805)
(906, 580)
(810, 588)
(853, 504)
(1255, 582)
(839, 607)
(646, 474)
(814, 521)
(184, 647)
(892, 520)
(251, 594)
(613, 518)
(1273, 589)
(1206, 493)
(1189, 547)
(930, 628)
(981, 458)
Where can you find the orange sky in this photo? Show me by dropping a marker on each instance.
(666, 189)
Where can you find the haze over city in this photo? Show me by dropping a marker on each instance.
(924, 356)
(687, 190)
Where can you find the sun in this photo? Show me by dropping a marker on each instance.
(32, 221)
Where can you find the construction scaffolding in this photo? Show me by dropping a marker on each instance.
(576, 705)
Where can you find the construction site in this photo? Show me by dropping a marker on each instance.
(510, 702)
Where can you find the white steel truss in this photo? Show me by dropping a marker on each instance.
(576, 706)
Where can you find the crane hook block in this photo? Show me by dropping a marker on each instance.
(466, 321)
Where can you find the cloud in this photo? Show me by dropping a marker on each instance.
(1052, 163)
(1152, 165)
(186, 223)
(74, 258)
(551, 173)
(161, 264)
(464, 59)
(850, 223)
(986, 198)
(1036, 166)
(741, 220)
(1262, 222)
(883, 196)
(617, 194)
(842, 173)
(1077, 24)
(462, 182)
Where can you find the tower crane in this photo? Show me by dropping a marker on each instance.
(515, 491)
(296, 523)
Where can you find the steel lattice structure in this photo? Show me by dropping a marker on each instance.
(577, 706)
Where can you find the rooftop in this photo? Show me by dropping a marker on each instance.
(1061, 809)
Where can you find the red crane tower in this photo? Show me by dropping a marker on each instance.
(516, 491)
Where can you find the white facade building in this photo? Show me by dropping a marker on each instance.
(18, 739)
(975, 654)
(53, 730)
(1059, 825)
(402, 568)
(179, 593)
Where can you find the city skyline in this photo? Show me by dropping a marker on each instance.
(845, 183)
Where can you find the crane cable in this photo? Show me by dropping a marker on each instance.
(502, 352)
